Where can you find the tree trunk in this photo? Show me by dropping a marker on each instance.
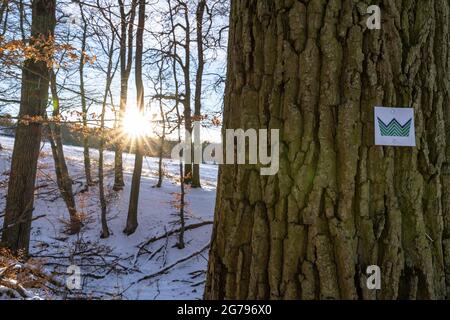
(132, 222)
(160, 157)
(34, 95)
(84, 108)
(62, 173)
(444, 86)
(126, 59)
(198, 87)
(21, 10)
(163, 124)
(180, 243)
(101, 184)
(187, 86)
(4, 10)
(338, 203)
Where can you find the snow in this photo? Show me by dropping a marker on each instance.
(110, 268)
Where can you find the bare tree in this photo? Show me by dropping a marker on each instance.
(180, 243)
(3, 15)
(109, 77)
(62, 173)
(21, 10)
(158, 84)
(132, 221)
(183, 60)
(84, 107)
(126, 59)
(198, 89)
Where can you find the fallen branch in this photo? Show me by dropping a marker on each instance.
(21, 220)
(168, 234)
(164, 270)
(15, 288)
(155, 253)
(18, 278)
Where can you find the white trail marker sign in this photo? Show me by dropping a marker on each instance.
(394, 127)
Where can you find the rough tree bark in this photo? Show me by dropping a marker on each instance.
(34, 95)
(339, 203)
(444, 86)
(132, 220)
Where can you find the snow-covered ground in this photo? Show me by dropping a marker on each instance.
(111, 268)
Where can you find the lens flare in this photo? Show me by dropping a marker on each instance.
(136, 124)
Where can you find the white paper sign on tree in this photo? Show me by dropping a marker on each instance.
(394, 127)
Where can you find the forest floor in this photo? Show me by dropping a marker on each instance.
(145, 265)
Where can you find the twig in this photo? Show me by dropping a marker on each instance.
(155, 253)
(166, 244)
(198, 283)
(164, 270)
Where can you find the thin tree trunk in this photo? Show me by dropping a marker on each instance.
(3, 6)
(21, 10)
(101, 185)
(187, 85)
(103, 206)
(84, 109)
(338, 203)
(180, 243)
(5, 15)
(161, 148)
(110, 72)
(163, 134)
(62, 173)
(34, 95)
(126, 56)
(132, 220)
(198, 89)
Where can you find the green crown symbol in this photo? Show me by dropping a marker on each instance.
(394, 128)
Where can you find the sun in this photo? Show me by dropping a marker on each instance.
(136, 124)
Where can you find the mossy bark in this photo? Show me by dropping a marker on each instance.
(339, 203)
